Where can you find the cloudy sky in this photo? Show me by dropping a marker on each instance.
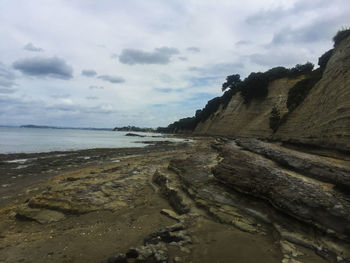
(107, 63)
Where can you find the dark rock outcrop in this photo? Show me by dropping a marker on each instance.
(299, 196)
(155, 248)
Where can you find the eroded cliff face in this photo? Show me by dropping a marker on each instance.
(322, 118)
(252, 120)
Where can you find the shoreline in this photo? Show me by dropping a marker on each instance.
(189, 200)
(20, 170)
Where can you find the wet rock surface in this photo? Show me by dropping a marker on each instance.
(155, 248)
(296, 194)
(328, 170)
(206, 201)
(22, 170)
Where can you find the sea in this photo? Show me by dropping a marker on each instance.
(34, 140)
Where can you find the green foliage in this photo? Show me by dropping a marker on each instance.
(277, 73)
(301, 69)
(323, 60)
(254, 86)
(301, 89)
(190, 123)
(182, 124)
(232, 82)
(211, 107)
(275, 119)
(341, 35)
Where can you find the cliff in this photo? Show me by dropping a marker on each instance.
(251, 120)
(323, 118)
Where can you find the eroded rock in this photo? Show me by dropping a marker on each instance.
(323, 169)
(154, 249)
(303, 198)
(42, 216)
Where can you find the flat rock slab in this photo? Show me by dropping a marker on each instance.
(42, 216)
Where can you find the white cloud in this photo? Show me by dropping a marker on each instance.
(146, 84)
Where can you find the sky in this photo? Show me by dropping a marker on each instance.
(108, 63)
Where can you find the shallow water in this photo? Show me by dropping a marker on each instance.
(33, 140)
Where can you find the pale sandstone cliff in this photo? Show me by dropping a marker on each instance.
(239, 119)
(323, 117)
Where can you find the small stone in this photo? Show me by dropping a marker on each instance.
(185, 250)
(177, 260)
(170, 213)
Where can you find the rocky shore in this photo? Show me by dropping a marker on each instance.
(206, 200)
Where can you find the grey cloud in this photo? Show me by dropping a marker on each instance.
(96, 87)
(242, 43)
(318, 31)
(88, 72)
(182, 58)
(112, 79)
(6, 77)
(273, 58)
(7, 90)
(92, 98)
(160, 55)
(114, 56)
(164, 90)
(78, 109)
(218, 70)
(44, 67)
(31, 47)
(298, 10)
(60, 96)
(193, 49)
(272, 15)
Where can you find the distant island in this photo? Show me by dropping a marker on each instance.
(55, 127)
(134, 129)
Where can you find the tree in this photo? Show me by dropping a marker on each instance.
(302, 69)
(232, 82)
(254, 86)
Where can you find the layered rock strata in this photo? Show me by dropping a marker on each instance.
(323, 118)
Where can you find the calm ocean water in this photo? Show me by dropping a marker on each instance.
(32, 140)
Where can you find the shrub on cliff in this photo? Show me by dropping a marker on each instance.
(232, 82)
(341, 34)
(254, 86)
(275, 118)
(277, 73)
(182, 124)
(323, 60)
(211, 107)
(301, 89)
(301, 69)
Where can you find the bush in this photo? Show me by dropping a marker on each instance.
(323, 60)
(254, 86)
(341, 35)
(277, 73)
(301, 89)
(275, 119)
(232, 82)
(301, 69)
(211, 107)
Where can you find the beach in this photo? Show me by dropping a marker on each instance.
(105, 205)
